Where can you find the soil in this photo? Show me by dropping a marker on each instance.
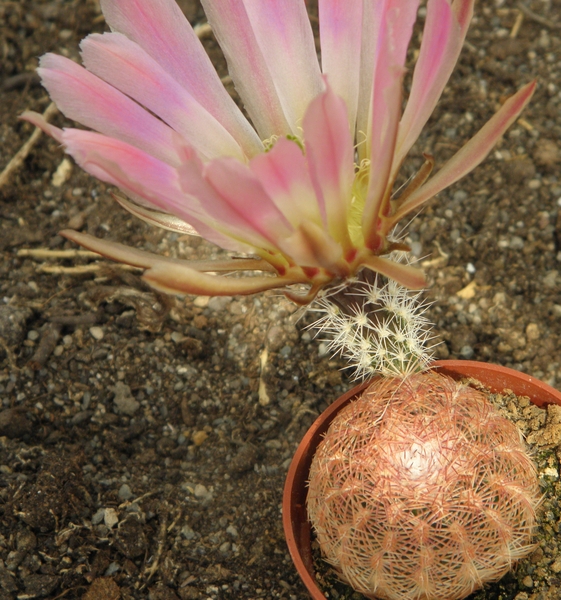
(144, 440)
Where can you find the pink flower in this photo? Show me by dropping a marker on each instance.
(307, 186)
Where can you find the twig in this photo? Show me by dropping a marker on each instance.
(9, 354)
(202, 30)
(162, 534)
(18, 158)
(42, 253)
(81, 269)
(175, 521)
(20, 80)
(74, 320)
(136, 500)
(517, 24)
(538, 18)
(46, 346)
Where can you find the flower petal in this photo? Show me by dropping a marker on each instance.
(386, 31)
(233, 195)
(116, 251)
(180, 279)
(154, 217)
(247, 65)
(39, 121)
(85, 98)
(141, 176)
(340, 28)
(311, 246)
(284, 34)
(125, 65)
(443, 37)
(470, 155)
(406, 275)
(145, 260)
(330, 155)
(164, 32)
(176, 276)
(283, 173)
(398, 18)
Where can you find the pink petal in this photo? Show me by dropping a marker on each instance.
(398, 18)
(340, 27)
(233, 195)
(369, 43)
(126, 66)
(176, 276)
(154, 217)
(408, 276)
(283, 173)
(311, 246)
(89, 100)
(117, 252)
(176, 279)
(146, 260)
(330, 155)
(386, 31)
(247, 65)
(164, 32)
(140, 176)
(39, 121)
(285, 37)
(443, 37)
(471, 154)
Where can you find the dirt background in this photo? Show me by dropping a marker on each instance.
(144, 440)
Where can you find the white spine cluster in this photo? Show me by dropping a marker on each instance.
(381, 330)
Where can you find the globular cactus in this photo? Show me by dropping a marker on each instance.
(376, 324)
(421, 490)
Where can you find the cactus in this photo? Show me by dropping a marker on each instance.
(376, 324)
(422, 490)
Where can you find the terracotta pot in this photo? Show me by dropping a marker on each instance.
(298, 530)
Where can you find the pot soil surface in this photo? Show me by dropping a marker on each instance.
(144, 441)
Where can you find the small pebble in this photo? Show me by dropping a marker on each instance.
(273, 444)
(232, 531)
(225, 548)
(532, 332)
(201, 301)
(516, 243)
(124, 400)
(33, 335)
(177, 337)
(199, 437)
(112, 569)
(202, 492)
(556, 566)
(96, 333)
(551, 472)
(110, 517)
(125, 492)
(98, 517)
(188, 533)
(528, 582)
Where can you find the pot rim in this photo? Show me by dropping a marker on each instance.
(297, 528)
